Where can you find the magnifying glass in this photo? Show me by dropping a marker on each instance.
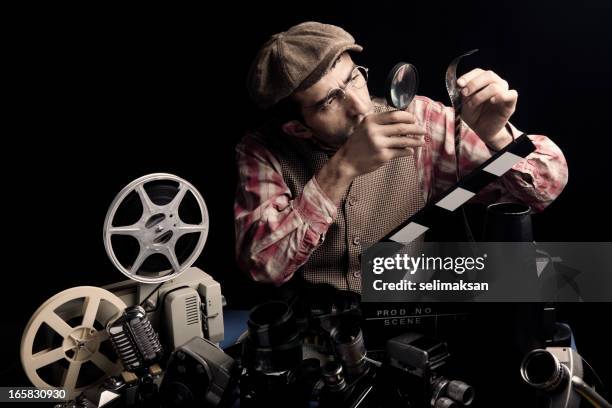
(401, 85)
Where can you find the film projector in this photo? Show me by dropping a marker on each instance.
(94, 341)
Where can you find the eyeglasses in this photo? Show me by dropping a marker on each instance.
(333, 101)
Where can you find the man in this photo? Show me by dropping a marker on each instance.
(336, 169)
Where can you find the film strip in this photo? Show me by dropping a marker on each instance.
(454, 94)
(452, 199)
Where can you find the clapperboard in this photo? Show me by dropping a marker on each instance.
(437, 212)
(439, 319)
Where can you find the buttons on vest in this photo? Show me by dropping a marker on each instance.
(359, 212)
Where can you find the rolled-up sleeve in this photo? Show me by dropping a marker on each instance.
(275, 232)
(537, 180)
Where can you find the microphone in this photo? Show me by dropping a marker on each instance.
(134, 339)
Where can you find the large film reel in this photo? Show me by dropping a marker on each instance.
(65, 345)
(153, 212)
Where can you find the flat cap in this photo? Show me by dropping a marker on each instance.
(296, 59)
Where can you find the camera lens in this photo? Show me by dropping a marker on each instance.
(444, 402)
(271, 323)
(542, 370)
(460, 392)
(273, 344)
(333, 377)
(348, 343)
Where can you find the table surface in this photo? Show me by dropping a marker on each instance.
(235, 323)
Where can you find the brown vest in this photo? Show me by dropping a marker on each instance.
(375, 203)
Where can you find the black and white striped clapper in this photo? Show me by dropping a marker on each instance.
(442, 207)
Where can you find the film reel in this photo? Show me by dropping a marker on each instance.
(66, 338)
(154, 204)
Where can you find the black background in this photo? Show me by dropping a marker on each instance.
(100, 97)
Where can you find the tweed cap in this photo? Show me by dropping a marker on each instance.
(296, 59)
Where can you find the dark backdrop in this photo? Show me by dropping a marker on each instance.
(105, 96)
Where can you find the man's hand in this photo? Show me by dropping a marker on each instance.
(376, 140)
(487, 105)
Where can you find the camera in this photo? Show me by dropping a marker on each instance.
(271, 356)
(413, 374)
(199, 374)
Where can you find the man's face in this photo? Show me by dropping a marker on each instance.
(332, 127)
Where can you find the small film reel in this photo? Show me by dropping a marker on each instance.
(156, 228)
(65, 343)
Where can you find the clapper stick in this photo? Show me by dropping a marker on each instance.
(439, 211)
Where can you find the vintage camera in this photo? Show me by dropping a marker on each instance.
(412, 374)
(271, 357)
(199, 374)
(557, 373)
(349, 380)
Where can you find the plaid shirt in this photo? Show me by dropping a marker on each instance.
(276, 232)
